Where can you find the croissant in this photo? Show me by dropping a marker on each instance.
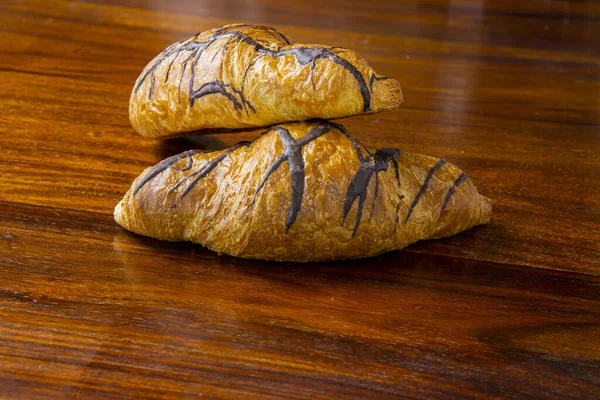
(240, 76)
(305, 191)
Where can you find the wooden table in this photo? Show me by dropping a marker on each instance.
(508, 91)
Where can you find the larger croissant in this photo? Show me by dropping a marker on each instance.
(240, 76)
(302, 192)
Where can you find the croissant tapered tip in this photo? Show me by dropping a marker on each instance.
(387, 95)
(118, 212)
(486, 207)
(466, 209)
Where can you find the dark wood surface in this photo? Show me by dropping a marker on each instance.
(508, 91)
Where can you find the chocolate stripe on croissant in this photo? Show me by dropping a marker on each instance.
(201, 173)
(163, 165)
(430, 174)
(278, 35)
(461, 178)
(188, 44)
(211, 88)
(292, 153)
(206, 169)
(369, 166)
(304, 55)
(357, 145)
(376, 78)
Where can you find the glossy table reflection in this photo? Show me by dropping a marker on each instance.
(507, 91)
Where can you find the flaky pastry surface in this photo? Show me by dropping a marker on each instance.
(302, 192)
(240, 76)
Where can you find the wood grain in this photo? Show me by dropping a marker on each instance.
(507, 91)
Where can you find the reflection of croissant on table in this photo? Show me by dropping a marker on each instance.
(303, 192)
(240, 76)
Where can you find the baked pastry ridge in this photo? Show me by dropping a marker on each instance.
(304, 191)
(240, 76)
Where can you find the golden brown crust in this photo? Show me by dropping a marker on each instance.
(216, 199)
(240, 76)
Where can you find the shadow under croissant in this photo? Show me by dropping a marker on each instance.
(206, 139)
(198, 268)
(173, 146)
(126, 244)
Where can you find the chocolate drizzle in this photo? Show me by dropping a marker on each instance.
(376, 78)
(461, 178)
(279, 36)
(430, 174)
(304, 56)
(292, 153)
(310, 55)
(370, 165)
(205, 170)
(163, 165)
(211, 88)
(195, 176)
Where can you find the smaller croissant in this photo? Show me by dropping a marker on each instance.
(240, 76)
(302, 191)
